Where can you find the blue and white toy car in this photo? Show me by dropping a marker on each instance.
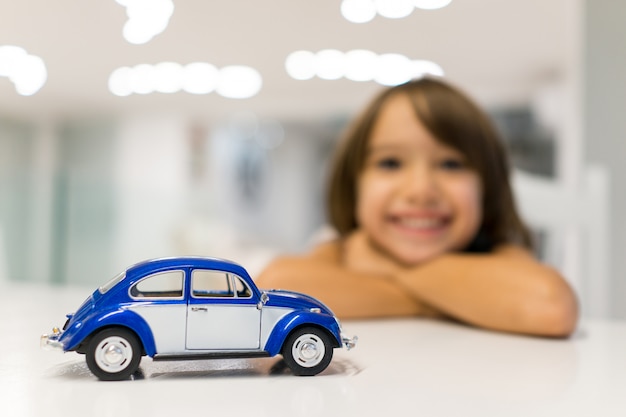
(196, 308)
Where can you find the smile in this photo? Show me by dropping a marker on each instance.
(420, 224)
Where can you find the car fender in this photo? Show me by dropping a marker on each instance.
(121, 318)
(296, 319)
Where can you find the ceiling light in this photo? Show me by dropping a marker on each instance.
(363, 11)
(238, 81)
(234, 81)
(10, 56)
(27, 72)
(431, 4)
(300, 65)
(118, 82)
(358, 11)
(394, 9)
(423, 67)
(168, 77)
(330, 64)
(146, 19)
(200, 78)
(360, 65)
(142, 80)
(393, 69)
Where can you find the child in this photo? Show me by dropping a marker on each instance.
(420, 197)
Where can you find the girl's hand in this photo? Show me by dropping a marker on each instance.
(360, 255)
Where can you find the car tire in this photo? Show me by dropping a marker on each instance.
(114, 354)
(307, 351)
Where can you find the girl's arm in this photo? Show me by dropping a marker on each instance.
(349, 293)
(507, 290)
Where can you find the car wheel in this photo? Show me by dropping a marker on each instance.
(307, 351)
(114, 354)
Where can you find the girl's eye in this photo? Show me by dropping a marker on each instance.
(389, 163)
(452, 164)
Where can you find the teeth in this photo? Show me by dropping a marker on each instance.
(420, 223)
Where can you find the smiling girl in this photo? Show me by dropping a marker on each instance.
(419, 195)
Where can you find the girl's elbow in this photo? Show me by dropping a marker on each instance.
(557, 313)
(561, 319)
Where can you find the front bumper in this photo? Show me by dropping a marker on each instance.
(51, 341)
(348, 342)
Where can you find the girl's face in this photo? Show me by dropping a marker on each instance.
(417, 198)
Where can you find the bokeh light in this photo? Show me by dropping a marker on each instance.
(394, 9)
(199, 78)
(431, 4)
(146, 19)
(168, 77)
(361, 65)
(236, 81)
(330, 64)
(300, 65)
(363, 11)
(358, 65)
(27, 72)
(358, 11)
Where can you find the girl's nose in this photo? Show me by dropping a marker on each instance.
(420, 185)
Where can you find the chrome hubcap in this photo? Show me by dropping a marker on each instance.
(308, 350)
(113, 354)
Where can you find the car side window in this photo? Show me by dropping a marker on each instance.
(161, 285)
(209, 283)
(243, 291)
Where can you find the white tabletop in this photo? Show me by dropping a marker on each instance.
(400, 367)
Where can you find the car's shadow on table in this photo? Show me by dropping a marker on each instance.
(220, 368)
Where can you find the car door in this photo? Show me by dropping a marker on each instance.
(222, 313)
(159, 299)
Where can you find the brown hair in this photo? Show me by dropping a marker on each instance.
(455, 120)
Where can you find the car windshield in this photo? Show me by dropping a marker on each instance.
(112, 282)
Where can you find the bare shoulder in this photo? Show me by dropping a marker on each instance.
(283, 270)
(327, 251)
(513, 251)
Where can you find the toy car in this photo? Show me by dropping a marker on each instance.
(196, 308)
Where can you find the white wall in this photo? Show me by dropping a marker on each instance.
(151, 176)
(605, 132)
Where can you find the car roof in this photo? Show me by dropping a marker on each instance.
(155, 265)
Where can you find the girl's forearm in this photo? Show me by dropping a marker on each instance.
(505, 291)
(349, 294)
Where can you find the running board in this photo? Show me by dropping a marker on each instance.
(212, 355)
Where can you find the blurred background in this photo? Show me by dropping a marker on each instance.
(132, 129)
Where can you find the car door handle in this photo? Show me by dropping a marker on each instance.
(199, 309)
